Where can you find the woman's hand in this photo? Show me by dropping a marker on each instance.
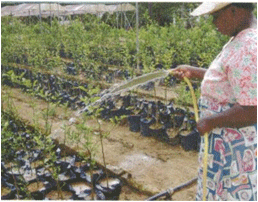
(204, 126)
(188, 71)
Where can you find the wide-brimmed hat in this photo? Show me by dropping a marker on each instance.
(208, 8)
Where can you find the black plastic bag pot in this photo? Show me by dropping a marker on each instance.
(30, 175)
(178, 120)
(67, 176)
(80, 186)
(91, 176)
(110, 187)
(105, 113)
(119, 112)
(145, 106)
(9, 196)
(126, 101)
(161, 106)
(160, 133)
(63, 166)
(134, 123)
(42, 191)
(52, 193)
(3, 168)
(145, 126)
(86, 195)
(153, 108)
(83, 170)
(94, 175)
(191, 141)
(35, 155)
(191, 123)
(165, 119)
(170, 109)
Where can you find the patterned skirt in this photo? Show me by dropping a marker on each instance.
(232, 160)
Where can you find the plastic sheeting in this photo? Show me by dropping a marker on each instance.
(43, 9)
(54, 9)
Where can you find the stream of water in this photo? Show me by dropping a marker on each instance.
(129, 85)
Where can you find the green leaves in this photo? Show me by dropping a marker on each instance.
(94, 43)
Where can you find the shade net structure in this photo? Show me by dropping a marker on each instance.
(34, 9)
(54, 9)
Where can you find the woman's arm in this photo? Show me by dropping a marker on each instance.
(236, 117)
(188, 71)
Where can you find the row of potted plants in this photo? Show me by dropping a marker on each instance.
(154, 119)
(34, 167)
(142, 115)
(88, 43)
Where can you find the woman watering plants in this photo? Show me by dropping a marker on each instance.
(228, 105)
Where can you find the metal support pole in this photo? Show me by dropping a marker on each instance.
(40, 17)
(137, 35)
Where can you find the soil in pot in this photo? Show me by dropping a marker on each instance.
(59, 195)
(8, 194)
(35, 186)
(5, 191)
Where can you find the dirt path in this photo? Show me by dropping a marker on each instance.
(154, 165)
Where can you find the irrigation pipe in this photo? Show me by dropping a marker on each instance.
(170, 191)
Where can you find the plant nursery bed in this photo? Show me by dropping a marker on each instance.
(146, 164)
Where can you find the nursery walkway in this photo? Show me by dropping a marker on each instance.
(151, 165)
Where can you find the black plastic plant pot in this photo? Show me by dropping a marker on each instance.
(42, 189)
(119, 112)
(134, 123)
(9, 196)
(160, 105)
(191, 141)
(126, 101)
(170, 109)
(83, 170)
(105, 113)
(153, 108)
(145, 126)
(191, 123)
(178, 120)
(55, 194)
(145, 106)
(80, 186)
(8, 191)
(63, 166)
(89, 195)
(91, 176)
(165, 119)
(110, 187)
(67, 176)
(160, 133)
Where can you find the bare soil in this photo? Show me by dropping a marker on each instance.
(146, 163)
